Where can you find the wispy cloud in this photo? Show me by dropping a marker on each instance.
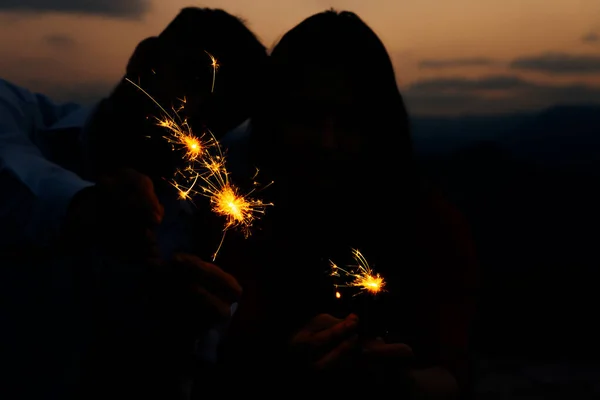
(463, 84)
(457, 62)
(559, 63)
(491, 95)
(60, 41)
(591, 37)
(111, 8)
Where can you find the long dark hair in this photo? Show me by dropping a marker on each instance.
(343, 41)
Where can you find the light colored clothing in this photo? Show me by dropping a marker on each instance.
(38, 181)
(35, 191)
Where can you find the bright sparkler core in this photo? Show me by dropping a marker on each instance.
(239, 211)
(359, 276)
(183, 139)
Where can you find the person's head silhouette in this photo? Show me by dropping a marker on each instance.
(334, 114)
(177, 65)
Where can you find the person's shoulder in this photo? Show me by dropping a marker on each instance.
(447, 232)
(437, 206)
(19, 97)
(10, 91)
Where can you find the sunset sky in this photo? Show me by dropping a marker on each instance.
(451, 56)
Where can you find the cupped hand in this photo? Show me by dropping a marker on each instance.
(326, 341)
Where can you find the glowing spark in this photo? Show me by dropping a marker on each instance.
(180, 135)
(239, 210)
(359, 275)
(185, 193)
(215, 66)
(210, 179)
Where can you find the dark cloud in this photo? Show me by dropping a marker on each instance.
(60, 41)
(457, 62)
(492, 95)
(559, 64)
(591, 37)
(111, 8)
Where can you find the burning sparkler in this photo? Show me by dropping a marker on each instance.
(180, 134)
(205, 173)
(359, 275)
(239, 210)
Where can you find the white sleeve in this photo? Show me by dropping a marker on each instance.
(34, 192)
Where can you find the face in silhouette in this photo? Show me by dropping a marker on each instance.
(179, 64)
(173, 66)
(185, 76)
(129, 115)
(322, 133)
(322, 141)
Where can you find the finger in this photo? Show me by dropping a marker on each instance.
(336, 332)
(127, 180)
(135, 193)
(370, 342)
(148, 211)
(324, 321)
(147, 196)
(318, 323)
(211, 276)
(143, 206)
(132, 177)
(378, 349)
(135, 240)
(211, 273)
(337, 354)
(215, 309)
(116, 208)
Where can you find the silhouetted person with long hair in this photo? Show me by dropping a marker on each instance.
(88, 183)
(334, 135)
(122, 132)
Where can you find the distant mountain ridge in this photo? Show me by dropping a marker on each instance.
(567, 135)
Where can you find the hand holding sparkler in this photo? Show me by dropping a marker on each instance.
(326, 341)
(203, 292)
(116, 215)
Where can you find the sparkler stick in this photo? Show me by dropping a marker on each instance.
(215, 66)
(205, 173)
(361, 276)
